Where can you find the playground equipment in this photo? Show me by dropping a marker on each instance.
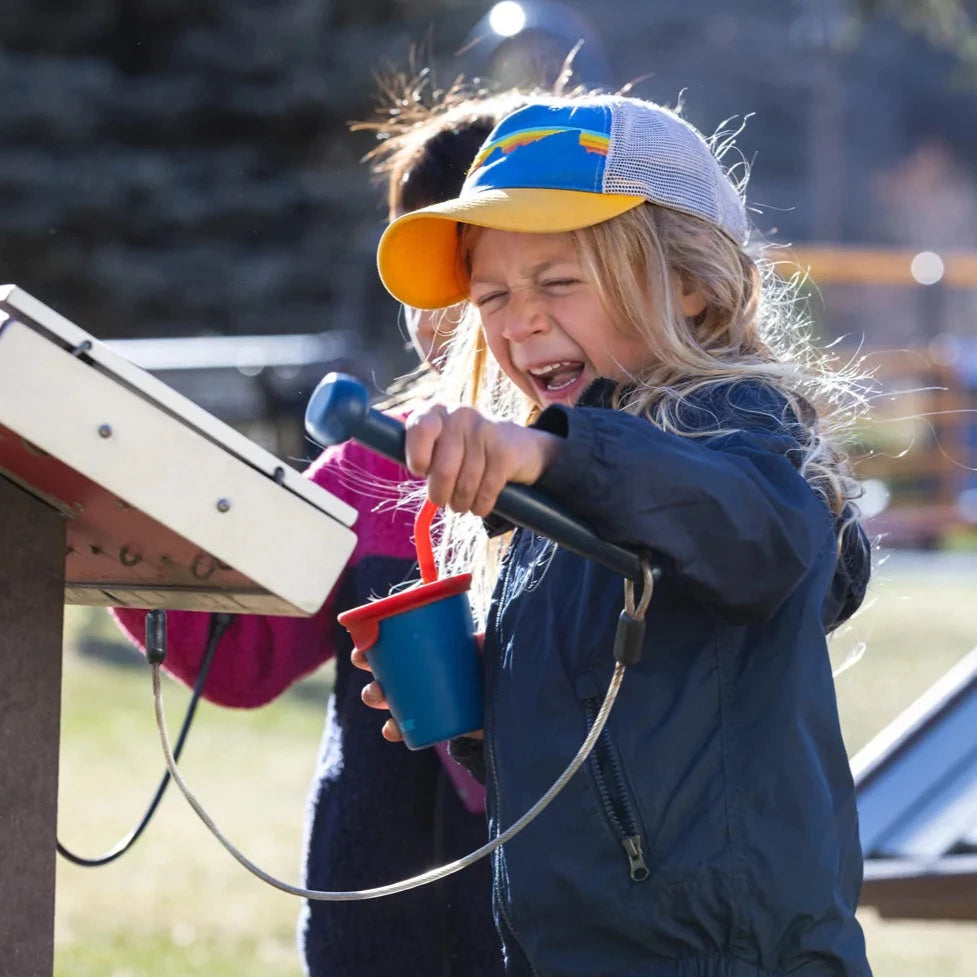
(115, 490)
(916, 784)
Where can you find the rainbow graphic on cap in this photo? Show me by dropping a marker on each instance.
(592, 142)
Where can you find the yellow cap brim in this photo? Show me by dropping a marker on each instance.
(418, 256)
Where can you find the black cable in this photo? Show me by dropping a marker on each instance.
(219, 623)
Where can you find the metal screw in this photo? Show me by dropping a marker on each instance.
(223, 505)
(203, 566)
(105, 430)
(129, 558)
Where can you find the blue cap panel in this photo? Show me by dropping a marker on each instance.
(553, 147)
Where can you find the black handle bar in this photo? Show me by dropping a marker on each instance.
(339, 410)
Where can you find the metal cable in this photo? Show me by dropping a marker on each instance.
(218, 625)
(418, 880)
(636, 610)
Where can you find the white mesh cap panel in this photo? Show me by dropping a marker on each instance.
(655, 154)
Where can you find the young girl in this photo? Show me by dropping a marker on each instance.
(601, 248)
(432, 811)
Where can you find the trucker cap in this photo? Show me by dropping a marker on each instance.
(556, 165)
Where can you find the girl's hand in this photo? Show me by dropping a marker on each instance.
(372, 696)
(467, 458)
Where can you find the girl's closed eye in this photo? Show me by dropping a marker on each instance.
(487, 299)
(552, 286)
(558, 284)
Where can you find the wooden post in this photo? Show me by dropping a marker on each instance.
(32, 554)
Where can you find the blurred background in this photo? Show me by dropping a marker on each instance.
(178, 176)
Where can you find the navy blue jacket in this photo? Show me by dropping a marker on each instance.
(714, 831)
(439, 930)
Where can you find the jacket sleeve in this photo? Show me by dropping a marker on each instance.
(730, 513)
(852, 573)
(260, 656)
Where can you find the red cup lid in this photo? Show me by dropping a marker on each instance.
(363, 622)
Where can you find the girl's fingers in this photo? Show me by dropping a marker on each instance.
(492, 483)
(372, 696)
(498, 461)
(468, 458)
(391, 731)
(423, 431)
(358, 658)
(471, 477)
(447, 460)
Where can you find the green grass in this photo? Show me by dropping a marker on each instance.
(178, 904)
(913, 627)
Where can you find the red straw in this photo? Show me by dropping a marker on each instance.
(422, 541)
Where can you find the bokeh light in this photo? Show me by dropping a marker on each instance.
(507, 18)
(927, 267)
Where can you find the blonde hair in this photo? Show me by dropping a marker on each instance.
(413, 117)
(751, 329)
(426, 139)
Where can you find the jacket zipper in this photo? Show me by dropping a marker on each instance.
(490, 755)
(615, 798)
(500, 901)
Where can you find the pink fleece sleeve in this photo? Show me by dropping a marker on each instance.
(260, 655)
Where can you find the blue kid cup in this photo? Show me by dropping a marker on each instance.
(420, 644)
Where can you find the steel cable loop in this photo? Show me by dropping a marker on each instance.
(637, 611)
(424, 878)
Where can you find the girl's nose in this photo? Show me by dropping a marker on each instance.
(525, 318)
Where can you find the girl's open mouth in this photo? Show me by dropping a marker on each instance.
(557, 379)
